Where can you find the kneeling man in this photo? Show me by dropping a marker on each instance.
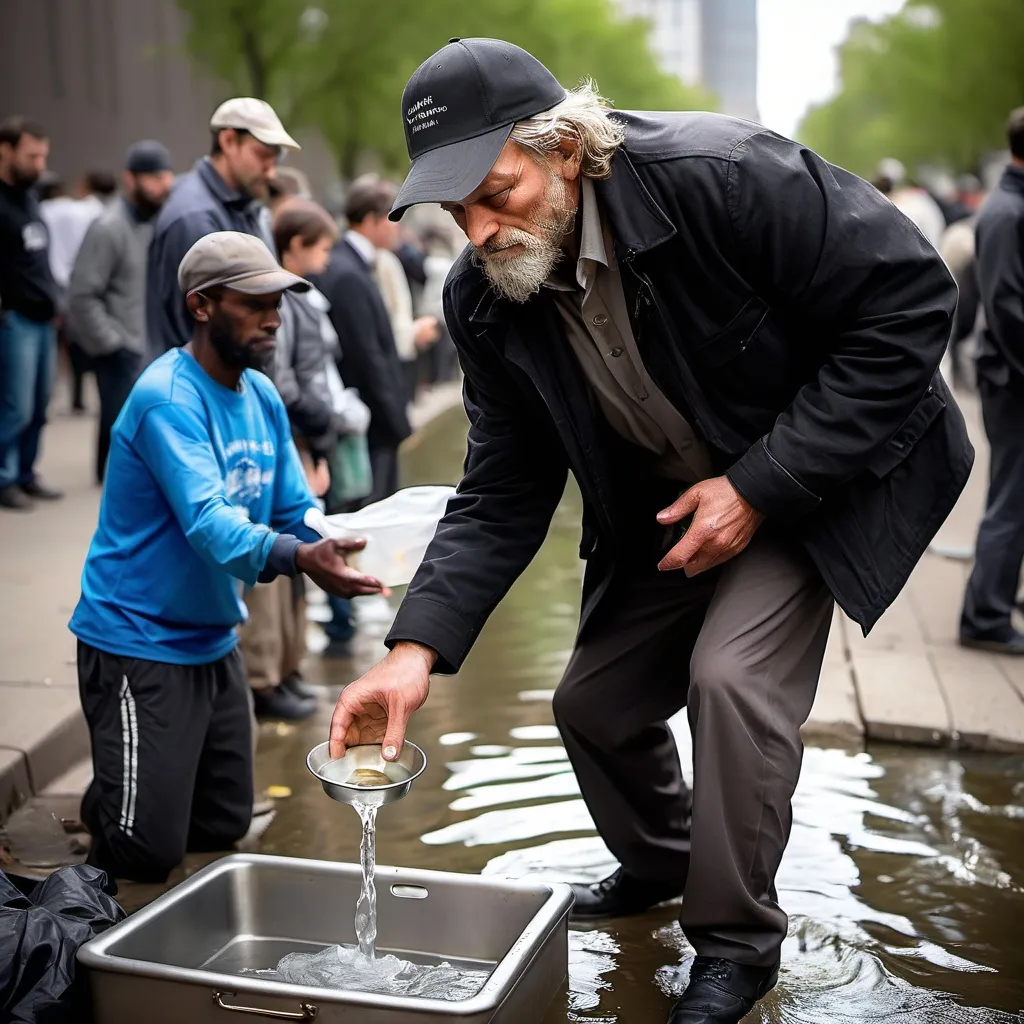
(204, 493)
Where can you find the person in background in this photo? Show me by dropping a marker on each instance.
(28, 304)
(330, 419)
(911, 200)
(68, 218)
(223, 192)
(321, 412)
(360, 318)
(956, 247)
(107, 292)
(204, 488)
(443, 360)
(287, 183)
(985, 622)
(413, 335)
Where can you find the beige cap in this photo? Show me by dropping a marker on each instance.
(256, 117)
(239, 261)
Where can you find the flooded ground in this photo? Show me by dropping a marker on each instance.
(904, 878)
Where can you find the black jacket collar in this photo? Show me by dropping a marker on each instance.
(638, 224)
(219, 188)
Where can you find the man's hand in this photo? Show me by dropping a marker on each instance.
(723, 523)
(377, 707)
(324, 563)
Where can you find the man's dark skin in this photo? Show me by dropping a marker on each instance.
(235, 332)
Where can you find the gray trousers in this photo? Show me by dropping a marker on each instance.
(741, 647)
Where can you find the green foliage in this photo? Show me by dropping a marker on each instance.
(341, 65)
(932, 84)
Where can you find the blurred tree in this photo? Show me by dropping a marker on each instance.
(341, 65)
(932, 84)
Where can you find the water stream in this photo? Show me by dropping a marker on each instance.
(366, 907)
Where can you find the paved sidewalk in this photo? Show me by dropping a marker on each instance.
(43, 739)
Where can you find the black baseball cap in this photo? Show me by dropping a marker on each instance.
(459, 109)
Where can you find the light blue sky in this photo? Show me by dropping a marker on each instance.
(796, 53)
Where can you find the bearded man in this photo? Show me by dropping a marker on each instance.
(733, 345)
(204, 488)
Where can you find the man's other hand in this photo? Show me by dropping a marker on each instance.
(723, 523)
(377, 707)
(324, 563)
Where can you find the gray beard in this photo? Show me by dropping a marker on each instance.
(519, 277)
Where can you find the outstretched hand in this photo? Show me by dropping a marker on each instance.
(723, 524)
(324, 563)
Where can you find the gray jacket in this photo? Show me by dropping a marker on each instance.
(107, 293)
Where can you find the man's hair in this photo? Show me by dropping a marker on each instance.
(13, 128)
(215, 147)
(1015, 132)
(582, 118)
(101, 183)
(369, 194)
(305, 219)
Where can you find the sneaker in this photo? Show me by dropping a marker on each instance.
(14, 497)
(279, 703)
(37, 489)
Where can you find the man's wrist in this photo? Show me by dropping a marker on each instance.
(413, 650)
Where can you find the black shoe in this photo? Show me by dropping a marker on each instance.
(37, 489)
(282, 704)
(14, 497)
(621, 894)
(722, 991)
(297, 685)
(1012, 645)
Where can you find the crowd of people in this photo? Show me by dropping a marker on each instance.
(93, 275)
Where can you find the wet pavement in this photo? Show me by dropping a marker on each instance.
(904, 877)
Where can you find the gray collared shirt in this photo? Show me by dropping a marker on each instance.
(597, 328)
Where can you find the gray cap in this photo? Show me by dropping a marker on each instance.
(254, 116)
(237, 260)
(147, 157)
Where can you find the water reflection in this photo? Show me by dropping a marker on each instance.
(904, 877)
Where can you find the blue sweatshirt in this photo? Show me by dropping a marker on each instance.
(203, 486)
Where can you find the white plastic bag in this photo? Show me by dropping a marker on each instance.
(397, 531)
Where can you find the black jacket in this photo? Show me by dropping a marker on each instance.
(787, 308)
(369, 359)
(201, 202)
(1000, 269)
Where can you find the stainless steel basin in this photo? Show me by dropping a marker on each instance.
(182, 958)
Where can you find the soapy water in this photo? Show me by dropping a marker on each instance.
(345, 967)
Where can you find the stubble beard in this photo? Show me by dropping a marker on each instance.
(520, 276)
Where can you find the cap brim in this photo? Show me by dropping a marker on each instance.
(262, 284)
(450, 173)
(281, 138)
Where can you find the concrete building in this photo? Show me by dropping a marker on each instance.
(712, 43)
(729, 54)
(101, 74)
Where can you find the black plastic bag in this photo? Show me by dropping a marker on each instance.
(42, 924)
